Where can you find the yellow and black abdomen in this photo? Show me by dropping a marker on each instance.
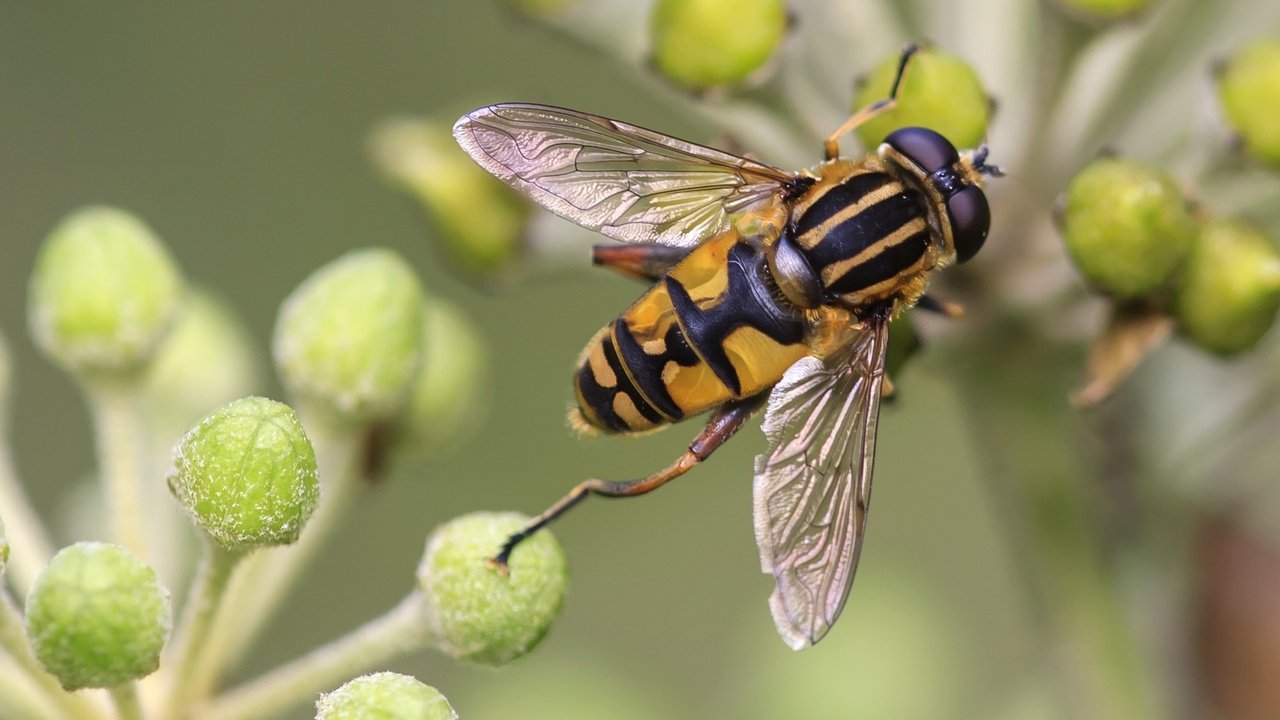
(710, 331)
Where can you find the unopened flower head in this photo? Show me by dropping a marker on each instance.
(247, 474)
(479, 613)
(348, 338)
(97, 617)
(939, 91)
(384, 695)
(708, 43)
(448, 396)
(1230, 290)
(103, 292)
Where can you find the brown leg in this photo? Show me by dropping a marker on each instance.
(832, 145)
(723, 424)
(641, 261)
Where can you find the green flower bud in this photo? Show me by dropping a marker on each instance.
(939, 91)
(708, 43)
(1249, 90)
(1230, 291)
(206, 362)
(384, 696)
(448, 397)
(478, 613)
(481, 221)
(247, 474)
(348, 338)
(1104, 10)
(97, 617)
(1127, 226)
(103, 292)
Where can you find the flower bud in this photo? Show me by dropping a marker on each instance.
(206, 361)
(1249, 90)
(1230, 291)
(97, 617)
(481, 221)
(103, 292)
(449, 396)
(939, 91)
(1127, 226)
(384, 695)
(1104, 10)
(348, 337)
(708, 43)
(478, 613)
(247, 474)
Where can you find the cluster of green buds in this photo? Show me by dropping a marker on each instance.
(1137, 239)
(365, 354)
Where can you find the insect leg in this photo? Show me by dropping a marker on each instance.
(641, 261)
(955, 311)
(723, 424)
(832, 145)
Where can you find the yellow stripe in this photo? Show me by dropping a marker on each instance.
(837, 270)
(882, 289)
(814, 236)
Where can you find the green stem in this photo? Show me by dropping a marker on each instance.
(125, 698)
(399, 631)
(192, 633)
(13, 639)
(29, 544)
(262, 584)
(19, 698)
(120, 432)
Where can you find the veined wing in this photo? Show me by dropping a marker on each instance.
(626, 182)
(812, 488)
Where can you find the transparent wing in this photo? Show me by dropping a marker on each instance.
(812, 488)
(626, 182)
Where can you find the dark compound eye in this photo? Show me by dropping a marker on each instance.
(924, 147)
(970, 221)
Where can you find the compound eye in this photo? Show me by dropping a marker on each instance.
(924, 147)
(970, 220)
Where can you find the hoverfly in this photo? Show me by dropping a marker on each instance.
(769, 286)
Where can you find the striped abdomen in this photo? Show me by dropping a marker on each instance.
(710, 331)
(864, 234)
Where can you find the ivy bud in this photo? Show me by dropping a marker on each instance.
(939, 91)
(247, 474)
(481, 221)
(103, 292)
(708, 43)
(478, 613)
(1249, 90)
(448, 397)
(1126, 226)
(97, 617)
(348, 338)
(384, 695)
(1104, 10)
(206, 361)
(1230, 291)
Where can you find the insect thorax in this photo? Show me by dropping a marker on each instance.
(864, 236)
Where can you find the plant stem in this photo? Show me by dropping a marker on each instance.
(125, 698)
(120, 433)
(266, 577)
(19, 698)
(401, 630)
(13, 639)
(192, 632)
(29, 544)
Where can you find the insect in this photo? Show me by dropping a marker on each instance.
(770, 289)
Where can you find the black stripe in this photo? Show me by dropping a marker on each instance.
(600, 399)
(888, 263)
(837, 198)
(647, 370)
(864, 229)
(747, 301)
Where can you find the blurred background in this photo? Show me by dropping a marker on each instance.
(1023, 559)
